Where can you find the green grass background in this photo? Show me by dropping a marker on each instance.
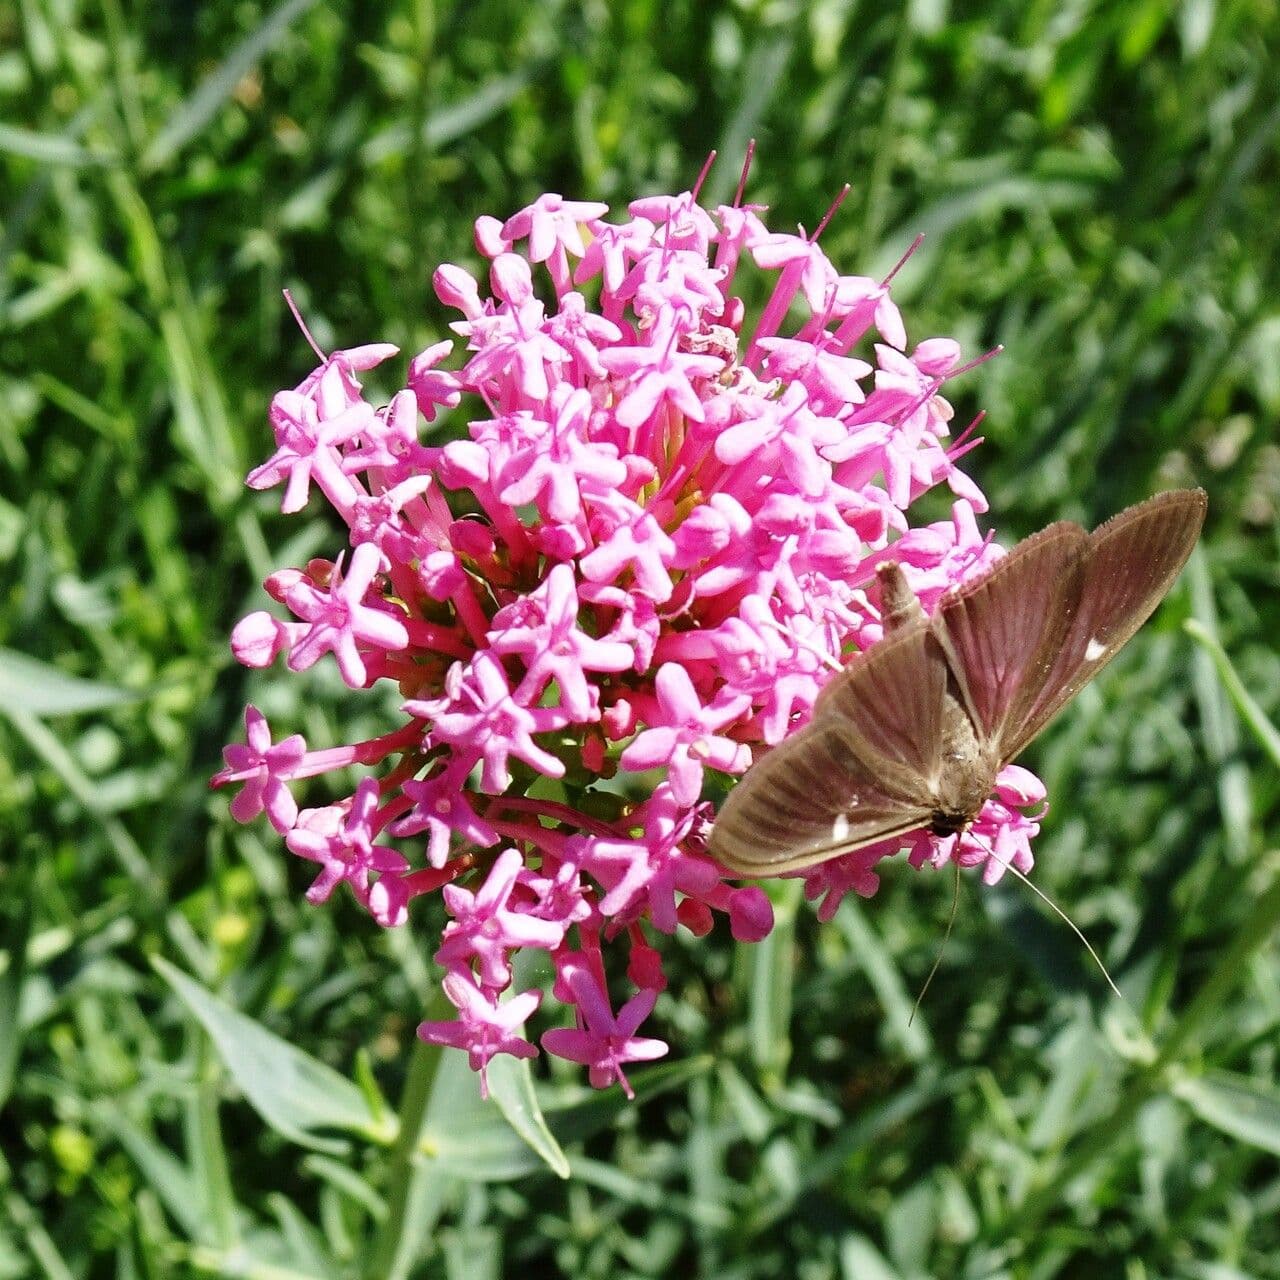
(1098, 182)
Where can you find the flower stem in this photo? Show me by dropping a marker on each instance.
(399, 1238)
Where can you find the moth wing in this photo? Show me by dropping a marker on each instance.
(1130, 562)
(853, 775)
(890, 700)
(810, 799)
(1003, 631)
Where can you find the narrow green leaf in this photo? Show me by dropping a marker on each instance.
(861, 1135)
(240, 1265)
(1235, 1105)
(13, 974)
(296, 1094)
(875, 961)
(579, 1114)
(771, 982)
(185, 123)
(40, 1244)
(50, 148)
(1257, 720)
(42, 690)
(465, 1136)
(640, 1189)
(348, 1182)
(1220, 728)
(471, 1139)
(511, 1087)
(473, 1253)
(449, 122)
(168, 1177)
(861, 1260)
(306, 1244)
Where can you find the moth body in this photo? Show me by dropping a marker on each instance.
(967, 774)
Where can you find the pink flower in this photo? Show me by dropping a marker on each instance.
(603, 1042)
(341, 839)
(485, 928)
(645, 524)
(685, 735)
(542, 628)
(263, 768)
(485, 1027)
(441, 808)
(342, 623)
(481, 715)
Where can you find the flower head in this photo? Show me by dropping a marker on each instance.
(653, 521)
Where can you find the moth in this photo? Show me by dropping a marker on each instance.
(912, 733)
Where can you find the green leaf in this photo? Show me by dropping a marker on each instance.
(296, 1094)
(467, 1137)
(1257, 720)
(471, 1139)
(768, 976)
(861, 1260)
(473, 1253)
(877, 963)
(577, 1115)
(170, 1179)
(42, 690)
(13, 975)
(305, 1243)
(511, 1087)
(51, 148)
(1235, 1105)
(198, 110)
(347, 1182)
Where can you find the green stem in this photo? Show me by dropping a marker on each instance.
(399, 1236)
(1259, 926)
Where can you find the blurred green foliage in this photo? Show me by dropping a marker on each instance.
(1097, 181)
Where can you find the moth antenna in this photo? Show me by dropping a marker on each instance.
(821, 654)
(746, 169)
(1057, 911)
(942, 950)
(302, 324)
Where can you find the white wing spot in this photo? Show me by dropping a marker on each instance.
(1094, 650)
(840, 827)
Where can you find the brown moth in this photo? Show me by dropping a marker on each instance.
(912, 733)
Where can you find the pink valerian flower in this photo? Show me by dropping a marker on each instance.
(341, 839)
(485, 1026)
(603, 1041)
(650, 525)
(263, 768)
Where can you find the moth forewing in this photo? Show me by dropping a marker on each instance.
(890, 702)
(1002, 632)
(811, 798)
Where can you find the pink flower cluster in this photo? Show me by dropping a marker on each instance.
(635, 565)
